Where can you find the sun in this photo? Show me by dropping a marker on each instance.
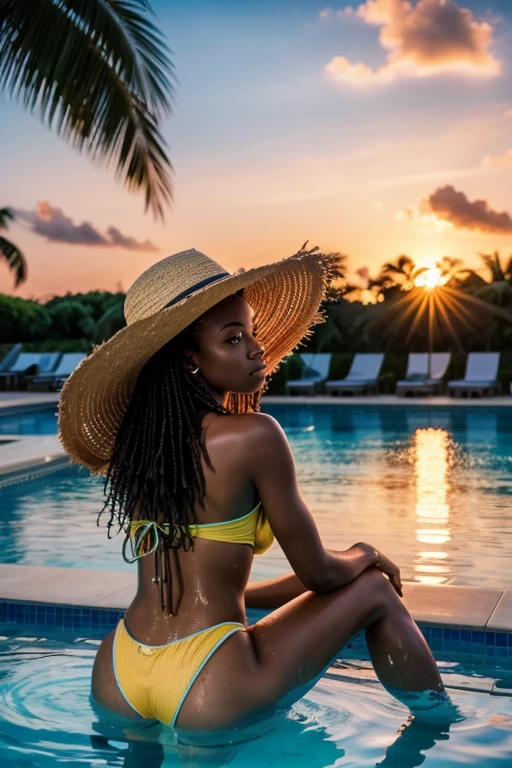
(429, 278)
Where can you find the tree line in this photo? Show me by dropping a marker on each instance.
(470, 310)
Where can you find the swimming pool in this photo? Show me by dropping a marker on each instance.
(429, 486)
(29, 421)
(47, 719)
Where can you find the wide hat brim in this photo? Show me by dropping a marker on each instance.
(285, 297)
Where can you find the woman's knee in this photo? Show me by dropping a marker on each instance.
(377, 588)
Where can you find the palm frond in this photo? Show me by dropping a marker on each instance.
(498, 292)
(492, 262)
(403, 266)
(6, 216)
(98, 72)
(15, 259)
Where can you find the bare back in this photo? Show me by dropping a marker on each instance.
(209, 580)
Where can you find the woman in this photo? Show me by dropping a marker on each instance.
(200, 480)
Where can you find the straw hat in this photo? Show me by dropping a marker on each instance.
(165, 299)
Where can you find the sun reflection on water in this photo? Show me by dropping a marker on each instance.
(431, 472)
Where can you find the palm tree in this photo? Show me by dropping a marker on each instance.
(364, 288)
(400, 272)
(98, 73)
(497, 288)
(10, 252)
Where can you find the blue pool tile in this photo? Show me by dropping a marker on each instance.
(489, 651)
(437, 632)
(436, 645)
(501, 639)
(465, 634)
(478, 637)
(490, 638)
(451, 634)
(509, 640)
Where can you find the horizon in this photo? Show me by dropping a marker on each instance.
(346, 118)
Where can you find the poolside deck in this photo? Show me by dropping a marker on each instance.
(21, 452)
(475, 608)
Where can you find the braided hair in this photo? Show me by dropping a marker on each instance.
(155, 472)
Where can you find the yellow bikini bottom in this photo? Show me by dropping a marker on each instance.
(154, 680)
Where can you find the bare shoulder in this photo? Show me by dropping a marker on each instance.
(259, 427)
(252, 435)
(264, 443)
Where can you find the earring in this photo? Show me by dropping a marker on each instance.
(196, 370)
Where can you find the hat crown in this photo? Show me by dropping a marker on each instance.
(168, 281)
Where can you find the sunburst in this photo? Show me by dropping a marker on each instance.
(435, 309)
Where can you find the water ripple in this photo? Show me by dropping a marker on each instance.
(46, 718)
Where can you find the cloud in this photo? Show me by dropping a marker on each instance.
(117, 238)
(490, 161)
(52, 223)
(449, 206)
(349, 10)
(428, 38)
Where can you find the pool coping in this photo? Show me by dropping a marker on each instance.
(21, 453)
(477, 609)
(442, 401)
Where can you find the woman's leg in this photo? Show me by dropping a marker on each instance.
(273, 593)
(312, 629)
(290, 647)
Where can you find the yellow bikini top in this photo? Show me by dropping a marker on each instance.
(253, 529)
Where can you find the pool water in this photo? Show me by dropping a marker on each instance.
(36, 422)
(429, 486)
(47, 719)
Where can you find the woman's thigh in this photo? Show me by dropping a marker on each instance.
(289, 648)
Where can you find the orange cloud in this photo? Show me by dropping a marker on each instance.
(429, 38)
(448, 205)
(496, 161)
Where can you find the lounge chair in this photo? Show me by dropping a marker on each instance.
(47, 364)
(481, 375)
(362, 377)
(24, 361)
(417, 379)
(314, 373)
(10, 358)
(56, 378)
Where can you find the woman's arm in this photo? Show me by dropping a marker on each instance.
(278, 591)
(270, 466)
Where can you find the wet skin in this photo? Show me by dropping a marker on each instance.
(326, 599)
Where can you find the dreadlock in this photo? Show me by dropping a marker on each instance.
(155, 472)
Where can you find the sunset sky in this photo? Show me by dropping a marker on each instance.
(372, 128)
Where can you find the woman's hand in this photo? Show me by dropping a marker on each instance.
(392, 571)
(384, 564)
